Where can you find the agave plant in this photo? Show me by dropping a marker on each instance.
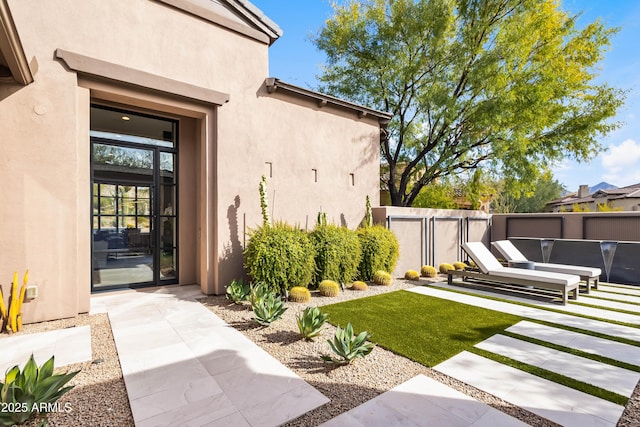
(268, 309)
(348, 346)
(310, 322)
(31, 390)
(238, 291)
(258, 292)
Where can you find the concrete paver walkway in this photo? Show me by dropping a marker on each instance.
(183, 365)
(423, 401)
(70, 345)
(550, 400)
(608, 377)
(607, 328)
(587, 343)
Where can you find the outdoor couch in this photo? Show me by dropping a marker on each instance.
(492, 271)
(510, 253)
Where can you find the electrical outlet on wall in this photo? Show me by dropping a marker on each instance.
(31, 292)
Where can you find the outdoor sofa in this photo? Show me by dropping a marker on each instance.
(511, 254)
(492, 271)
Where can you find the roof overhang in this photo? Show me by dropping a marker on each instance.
(86, 65)
(14, 67)
(272, 84)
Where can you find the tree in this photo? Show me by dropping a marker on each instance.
(502, 83)
(540, 192)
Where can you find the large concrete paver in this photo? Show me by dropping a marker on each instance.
(587, 343)
(183, 365)
(423, 401)
(550, 400)
(70, 345)
(608, 377)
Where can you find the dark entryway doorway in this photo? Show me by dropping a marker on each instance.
(134, 230)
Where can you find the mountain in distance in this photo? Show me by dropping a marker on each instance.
(601, 186)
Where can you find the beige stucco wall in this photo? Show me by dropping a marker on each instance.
(432, 236)
(45, 126)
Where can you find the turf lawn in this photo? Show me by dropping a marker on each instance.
(424, 329)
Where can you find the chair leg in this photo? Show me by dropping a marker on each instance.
(586, 280)
(565, 297)
(595, 283)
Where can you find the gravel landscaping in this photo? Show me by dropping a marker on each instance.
(100, 399)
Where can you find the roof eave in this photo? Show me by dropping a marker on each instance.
(11, 49)
(273, 84)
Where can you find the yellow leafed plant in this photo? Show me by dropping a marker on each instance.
(12, 319)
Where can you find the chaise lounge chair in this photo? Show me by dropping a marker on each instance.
(511, 253)
(492, 271)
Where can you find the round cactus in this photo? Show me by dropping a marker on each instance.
(412, 275)
(382, 278)
(328, 288)
(299, 294)
(459, 265)
(428, 271)
(444, 267)
(359, 286)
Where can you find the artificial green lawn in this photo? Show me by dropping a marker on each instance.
(424, 329)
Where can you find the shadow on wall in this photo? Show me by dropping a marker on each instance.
(230, 261)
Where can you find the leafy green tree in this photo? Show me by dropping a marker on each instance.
(436, 196)
(510, 198)
(502, 83)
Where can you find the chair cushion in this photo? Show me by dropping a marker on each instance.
(568, 269)
(482, 256)
(508, 250)
(536, 275)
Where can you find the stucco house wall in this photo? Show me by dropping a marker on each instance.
(105, 52)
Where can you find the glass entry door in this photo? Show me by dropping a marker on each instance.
(134, 221)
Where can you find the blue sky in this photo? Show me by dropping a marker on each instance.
(294, 59)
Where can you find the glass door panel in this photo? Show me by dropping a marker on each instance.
(123, 253)
(134, 199)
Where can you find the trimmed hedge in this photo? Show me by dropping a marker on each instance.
(281, 256)
(380, 251)
(337, 254)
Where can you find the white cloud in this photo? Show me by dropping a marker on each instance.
(622, 160)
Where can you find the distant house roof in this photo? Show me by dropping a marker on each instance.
(628, 192)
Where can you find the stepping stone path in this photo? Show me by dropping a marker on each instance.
(556, 402)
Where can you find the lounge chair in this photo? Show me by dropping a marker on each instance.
(492, 271)
(511, 253)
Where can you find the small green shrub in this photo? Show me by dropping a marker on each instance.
(382, 278)
(30, 390)
(359, 286)
(444, 267)
(412, 275)
(281, 256)
(299, 294)
(238, 291)
(268, 309)
(428, 271)
(328, 288)
(459, 265)
(380, 251)
(337, 253)
(347, 346)
(310, 322)
(471, 263)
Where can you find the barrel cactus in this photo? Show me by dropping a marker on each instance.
(428, 271)
(359, 286)
(299, 294)
(412, 275)
(382, 278)
(459, 265)
(444, 267)
(328, 288)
